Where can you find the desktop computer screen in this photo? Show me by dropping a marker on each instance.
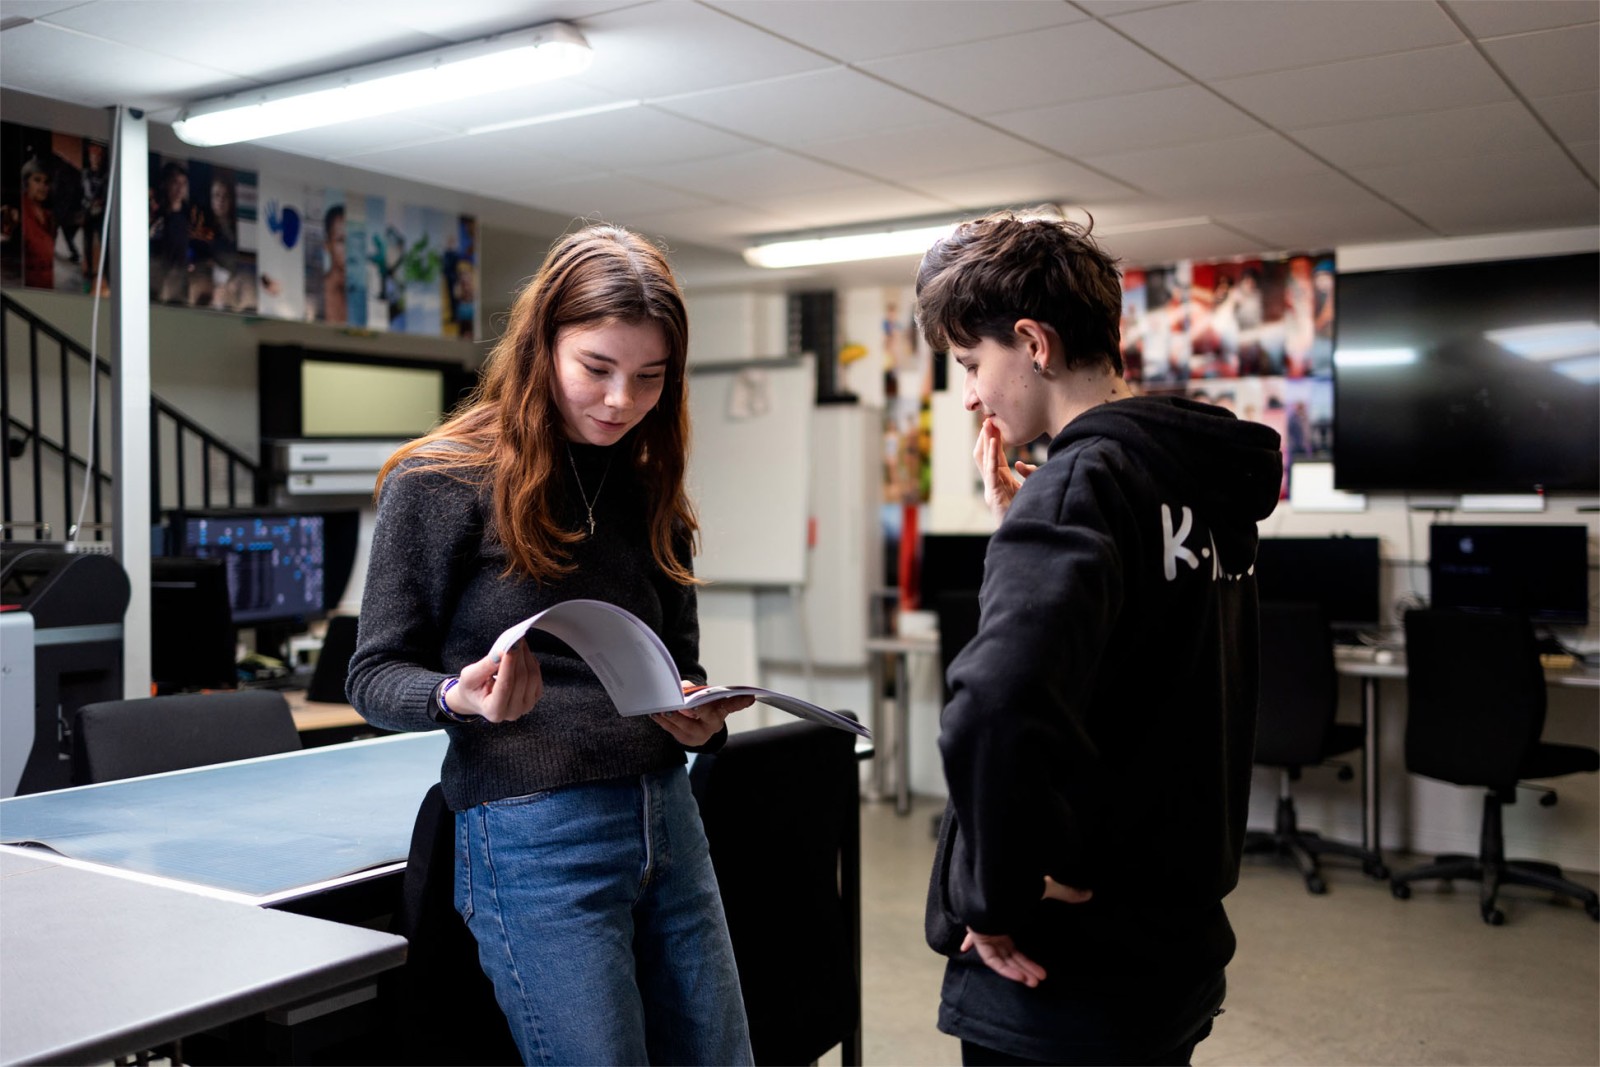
(1534, 570)
(275, 563)
(1340, 573)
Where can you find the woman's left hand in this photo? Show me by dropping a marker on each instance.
(693, 727)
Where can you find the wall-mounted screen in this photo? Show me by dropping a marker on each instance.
(1535, 570)
(1469, 378)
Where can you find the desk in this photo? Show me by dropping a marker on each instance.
(899, 650)
(98, 966)
(261, 831)
(1358, 664)
(326, 722)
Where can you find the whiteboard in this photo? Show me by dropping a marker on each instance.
(749, 469)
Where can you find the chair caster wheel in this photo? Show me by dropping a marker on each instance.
(1593, 908)
(1376, 870)
(1401, 890)
(1315, 885)
(1494, 916)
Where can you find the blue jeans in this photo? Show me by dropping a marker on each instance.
(597, 917)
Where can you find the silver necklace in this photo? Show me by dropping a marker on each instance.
(588, 505)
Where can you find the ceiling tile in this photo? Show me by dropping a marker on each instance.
(1510, 209)
(612, 197)
(1053, 181)
(664, 48)
(69, 66)
(353, 138)
(1540, 167)
(1209, 41)
(1574, 116)
(749, 177)
(463, 21)
(1138, 120)
(872, 29)
(866, 202)
(1210, 165)
(512, 105)
(1028, 70)
(927, 151)
(1202, 241)
(1459, 134)
(1550, 61)
(1588, 153)
(725, 221)
(486, 163)
(641, 137)
(1493, 18)
(1106, 8)
(264, 42)
(34, 9)
(803, 108)
(1431, 80)
(1314, 230)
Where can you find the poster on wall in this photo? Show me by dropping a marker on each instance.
(202, 235)
(281, 282)
(1253, 336)
(52, 208)
(234, 240)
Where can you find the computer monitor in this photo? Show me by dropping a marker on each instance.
(191, 631)
(275, 561)
(1339, 573)
(1535, 570)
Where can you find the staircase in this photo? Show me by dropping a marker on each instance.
(51, 443)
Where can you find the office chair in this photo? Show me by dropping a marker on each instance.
(1296, 729)
(127, 738)
(439, 1008)
(333, 662)
(1476, 705)
(781, 807)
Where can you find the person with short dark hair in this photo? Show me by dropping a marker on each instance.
(1098, 738)
(582, 867)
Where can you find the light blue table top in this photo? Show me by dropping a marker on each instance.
(265, 828)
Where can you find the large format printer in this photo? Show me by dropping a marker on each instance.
(61, 647)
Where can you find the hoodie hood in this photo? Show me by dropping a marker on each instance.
(1237, 465)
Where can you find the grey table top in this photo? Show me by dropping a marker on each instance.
(259, 831)
(97, 966)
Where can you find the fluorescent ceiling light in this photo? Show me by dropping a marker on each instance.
(848, 248)
(491, 64)
(1584, 369)
(1374, 357)
(913, 240)
(1549, 340)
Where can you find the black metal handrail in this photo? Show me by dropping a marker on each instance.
(26, 437)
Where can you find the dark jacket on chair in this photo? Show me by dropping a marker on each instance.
(1101, 722)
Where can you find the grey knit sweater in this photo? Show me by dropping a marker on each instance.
(435, 601)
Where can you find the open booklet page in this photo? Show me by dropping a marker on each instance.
(635, 667)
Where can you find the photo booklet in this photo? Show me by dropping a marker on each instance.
(637, 670)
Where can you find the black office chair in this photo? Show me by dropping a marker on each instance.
(333, 661)
(127, 738)
(781, 808)
(439, 1008)
(1476, 705)
(1296, 729)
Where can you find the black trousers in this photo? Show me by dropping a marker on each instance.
(976, 1055)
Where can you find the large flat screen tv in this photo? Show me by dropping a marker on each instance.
(1469, 378)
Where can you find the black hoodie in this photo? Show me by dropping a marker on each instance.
(1101, 723)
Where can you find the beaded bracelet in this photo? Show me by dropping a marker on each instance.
(444, 708)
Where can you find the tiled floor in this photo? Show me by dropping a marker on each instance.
(1352, 977)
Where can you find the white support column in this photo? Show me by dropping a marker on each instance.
(130, 375)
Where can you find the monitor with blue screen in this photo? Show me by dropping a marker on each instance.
(275, 562)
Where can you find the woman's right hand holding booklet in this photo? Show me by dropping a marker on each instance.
(500, 688)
